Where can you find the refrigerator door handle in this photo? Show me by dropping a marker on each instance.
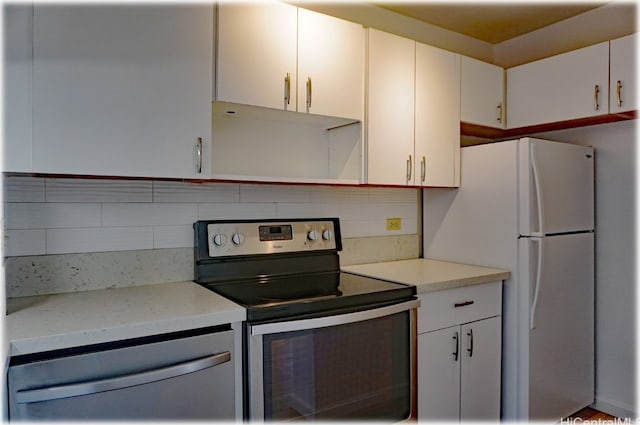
(538, 187)
(536, 290)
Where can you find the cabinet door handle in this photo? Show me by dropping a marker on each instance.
(470, 349)
(409, 168)
(463, 304)
(287, 90)
(596, 97)
(456, 347)
(199, 154)
(309, 93)
(423, 168)
(619, 93)
(499, 117)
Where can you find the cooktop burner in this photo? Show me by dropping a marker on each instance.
(285, 268)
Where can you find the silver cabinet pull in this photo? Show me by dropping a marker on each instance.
(499, 118)
(120, 382)
(456, 345)
(619, 93)
(470, 349)
(309, 93)
(409, 168)
(199, 154)
(287, 90)
(423, 168)
(596, 97)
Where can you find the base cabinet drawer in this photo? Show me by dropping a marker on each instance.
(450, 307)
(459, 365)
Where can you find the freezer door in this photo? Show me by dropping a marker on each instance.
(556, 185)
(557, 278)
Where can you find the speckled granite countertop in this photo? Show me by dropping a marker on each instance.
(50, 322)
(429, 275)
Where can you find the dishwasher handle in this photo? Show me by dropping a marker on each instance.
(120, 382)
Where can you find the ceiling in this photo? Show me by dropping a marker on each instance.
(491, 22)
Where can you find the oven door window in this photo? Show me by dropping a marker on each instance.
(356, 371)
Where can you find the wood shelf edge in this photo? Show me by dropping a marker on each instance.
(497, 134)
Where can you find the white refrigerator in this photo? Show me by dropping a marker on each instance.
(528, 206)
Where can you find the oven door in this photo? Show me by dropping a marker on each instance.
(357, 366)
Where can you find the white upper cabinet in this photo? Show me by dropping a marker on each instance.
(390, 109)
(275, 55)
(122, 89)
(330, 66)
(564, 87)
(256, 58)
(17, 87)
(622, 86)
(437, 117)
(482, 93)
(413, 113)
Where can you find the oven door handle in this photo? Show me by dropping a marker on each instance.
(323, 322)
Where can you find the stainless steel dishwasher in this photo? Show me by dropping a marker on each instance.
(179, 376)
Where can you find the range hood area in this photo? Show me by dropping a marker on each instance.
(265, 144)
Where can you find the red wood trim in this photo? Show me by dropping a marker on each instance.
(496, 134)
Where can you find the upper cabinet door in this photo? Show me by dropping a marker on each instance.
(256, 61)
(437, 117)
(18, 43)
(122, 89)
(482, 93)
(390, 109)
(623, 86)
(564, 87)
(330, 66)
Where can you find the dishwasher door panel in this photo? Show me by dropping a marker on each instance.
(184, 378)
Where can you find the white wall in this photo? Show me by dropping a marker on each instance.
(369, 15)
(614, 20)
(616, 284)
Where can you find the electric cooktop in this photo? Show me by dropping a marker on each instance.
(285, 268)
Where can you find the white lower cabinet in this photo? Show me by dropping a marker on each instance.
(459, 354)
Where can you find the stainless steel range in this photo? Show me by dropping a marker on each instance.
(318, 343)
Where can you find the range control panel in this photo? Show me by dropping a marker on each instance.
(270, 237)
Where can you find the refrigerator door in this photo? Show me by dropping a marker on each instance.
(558, 272)
(556, 187)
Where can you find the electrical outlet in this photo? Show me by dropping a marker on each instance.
(394, 223)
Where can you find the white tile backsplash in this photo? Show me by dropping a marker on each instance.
(98, 190)
(59, 216)
(20, 215)
(151, 214)
(273, 193)
(63, 241)
(23, 189)
(323, 194)
(166, 191)
(173, 236)
(24, 242)
(248, 211)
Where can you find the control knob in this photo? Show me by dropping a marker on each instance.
(312, 235)
(237, 238)
(219, 239)
(327, 235)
